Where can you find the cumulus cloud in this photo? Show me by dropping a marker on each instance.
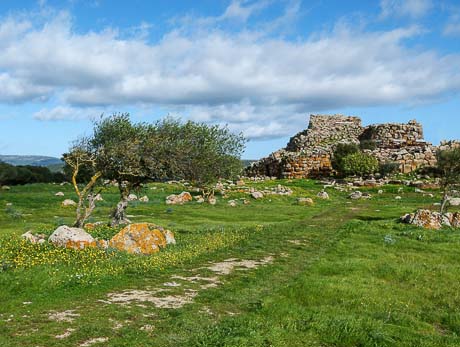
(403, 8)
(262, 84)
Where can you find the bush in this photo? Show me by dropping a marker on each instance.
(368, 144)
(360, 164)
(341, 151)
(389, 168)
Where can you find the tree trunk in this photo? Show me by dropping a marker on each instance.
(119, 213)
(444, 202)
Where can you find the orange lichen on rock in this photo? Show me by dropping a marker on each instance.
(142, 238)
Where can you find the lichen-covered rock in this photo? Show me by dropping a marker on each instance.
(432, 220)
(142, 238)
(305, 201)
(454, 201)
(68, 202)
(68, 237)
(180, 199)
(29, 236)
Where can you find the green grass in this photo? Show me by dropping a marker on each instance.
(344, 273)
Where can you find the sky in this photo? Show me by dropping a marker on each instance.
(259, 67)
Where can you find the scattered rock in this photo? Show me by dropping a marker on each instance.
(76, 238)
(59, 194)
(380, 191)
(68, 202)
(257, 195)
(39, 238)
(212, 200)
(180, 199)
(142, 238)
(398, 197)
(144, 199)
(132, 197)
(305, 201)
(323, 195)
(6, 188)
(232, 203)
(356, 195)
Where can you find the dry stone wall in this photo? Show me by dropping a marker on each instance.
(309, 153)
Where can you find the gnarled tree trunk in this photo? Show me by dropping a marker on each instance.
(119, 213)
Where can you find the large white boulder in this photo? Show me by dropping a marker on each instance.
(69, 237)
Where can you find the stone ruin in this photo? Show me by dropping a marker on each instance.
(309, 153)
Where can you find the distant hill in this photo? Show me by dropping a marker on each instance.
(35, 160)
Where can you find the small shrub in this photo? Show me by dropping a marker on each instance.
(389, 168)
(368, 144)
(341, 151)
(360, 164)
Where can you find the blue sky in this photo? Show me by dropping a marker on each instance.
(262, 67)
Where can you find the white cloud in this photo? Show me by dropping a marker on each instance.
(265, 85)
(67, 113)
(452, 27)
(403, 8)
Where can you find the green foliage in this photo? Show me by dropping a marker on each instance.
(388, 168)
(367, 144)
(360, 164)
(449, 168)
(17, 175)
(340, 152)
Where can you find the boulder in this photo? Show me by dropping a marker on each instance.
(75, 238)
(142, 238)
(257, 195)
(180, 199)
(454, 201)
(356, 195)
(455, 220)
(305, 201)
(429, 219)
(59, 194)
(212, 200)
(323, 195)
(132, 197)
(239, 183)
(232, 203)
(5, 188)
(68, 202)
(28, 236)
(145, 198)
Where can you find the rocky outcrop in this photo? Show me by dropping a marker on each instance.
(142, 238)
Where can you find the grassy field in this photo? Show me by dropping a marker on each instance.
(272, 273)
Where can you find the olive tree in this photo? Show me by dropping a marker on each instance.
(122, 151)
(449, 169)
(201, 153)
(82, 157)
